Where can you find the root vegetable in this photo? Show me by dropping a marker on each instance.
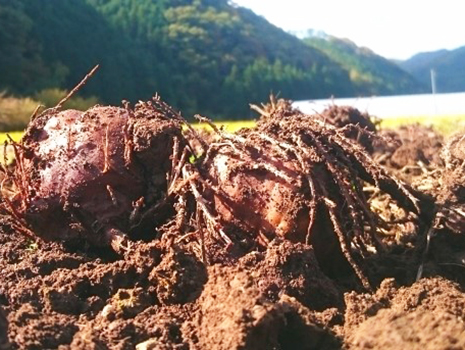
(299, 178)
(82, 174)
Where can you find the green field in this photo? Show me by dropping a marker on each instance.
(15, 135)
(231, 126)
(445, 124)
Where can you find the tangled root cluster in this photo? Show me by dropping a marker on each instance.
(294, 176)
(109, 173)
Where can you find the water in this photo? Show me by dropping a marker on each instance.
(394, 106)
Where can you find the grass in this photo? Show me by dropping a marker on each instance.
(445, 124)
(15, 135)
(231, 126)
(15, 112)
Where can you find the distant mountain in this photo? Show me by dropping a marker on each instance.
(449, 66)
(203, 56)
(421, 60)
(370, 73)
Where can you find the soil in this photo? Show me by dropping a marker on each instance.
(57, 297)
(410, 151)
(159, 295)
(342, 116)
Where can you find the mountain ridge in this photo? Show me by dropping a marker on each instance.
(202, 56)
(449, 67)
(369, 72)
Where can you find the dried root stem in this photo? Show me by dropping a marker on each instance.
(212, 223)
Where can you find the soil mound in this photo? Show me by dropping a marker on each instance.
(160, 297)
(242, 308)
(285, 236)
(410, 151)
(277, 299)
(345, 117)
(427, 315)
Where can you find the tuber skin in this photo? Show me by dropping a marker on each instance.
(82, 175)
(255, 198)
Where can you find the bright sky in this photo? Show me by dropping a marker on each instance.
(394, 29)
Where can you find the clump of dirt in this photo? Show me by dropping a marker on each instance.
(346, 117)
(341, 116)
(235, 315)
(427, 315)
(276, 299)
(454, 157)
(293, 269)
(394, 330)
(411, 151)
(178, 287)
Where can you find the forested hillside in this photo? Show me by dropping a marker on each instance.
(202, 56)
(369, 72)
(448, 65)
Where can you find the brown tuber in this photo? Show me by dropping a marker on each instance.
(296, 177)
(87, 175)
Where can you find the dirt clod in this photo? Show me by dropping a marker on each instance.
(346, 116)
(427, 315)
(173, 277)
(235, 315)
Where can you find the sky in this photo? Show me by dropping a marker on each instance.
(395, 29)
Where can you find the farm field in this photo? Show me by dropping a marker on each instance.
(298, 233)
(305, 190)
(445, 124)
(15, 135)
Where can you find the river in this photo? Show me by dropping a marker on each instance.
(394, 106)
